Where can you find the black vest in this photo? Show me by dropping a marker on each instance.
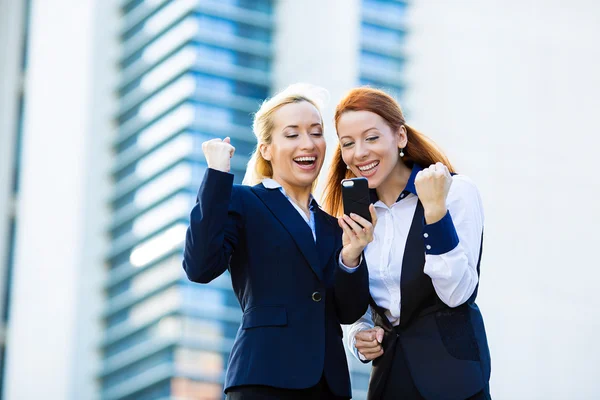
(435, 337)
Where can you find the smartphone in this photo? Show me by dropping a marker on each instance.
(356, 197)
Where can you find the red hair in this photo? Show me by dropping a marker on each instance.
(419, 149)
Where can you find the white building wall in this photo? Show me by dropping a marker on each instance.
(62, 209)
(510, 91)
(317, 42)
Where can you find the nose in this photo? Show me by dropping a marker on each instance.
(360, 151)
(307, 143)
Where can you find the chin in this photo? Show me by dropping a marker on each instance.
(308, 182)
(303, 181)
(374, 181)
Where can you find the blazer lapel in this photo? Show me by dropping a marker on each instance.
(293, 223)
(326, 232)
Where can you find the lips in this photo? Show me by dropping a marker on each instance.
(368, 169)
(369, 166)
(306, 162)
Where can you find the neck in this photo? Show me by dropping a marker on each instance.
(389, 190)
(299, 194)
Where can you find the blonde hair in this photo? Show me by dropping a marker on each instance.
(258, 168)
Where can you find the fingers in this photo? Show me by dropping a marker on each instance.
(379, 333)
(361, 221)
(368, 343)
(355, 229)
(367, 348)
(367, 335)
(218, 153)
(373, 215)
(348, 233)
(436, 170)
(210, 142)
(365, 232)
(371, 357)
(356, 226)
(372, 352)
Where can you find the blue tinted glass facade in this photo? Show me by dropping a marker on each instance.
(381, 65)
(191, 70)
(382, 38)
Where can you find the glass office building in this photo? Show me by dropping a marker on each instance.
(382, 38)
(190, 70)
(14, 141)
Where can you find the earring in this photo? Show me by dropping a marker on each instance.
(347, 167)
(401, 152)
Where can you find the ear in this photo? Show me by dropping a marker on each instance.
(402, 137)
(265, 151)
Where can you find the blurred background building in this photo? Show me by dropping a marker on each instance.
(103, 109)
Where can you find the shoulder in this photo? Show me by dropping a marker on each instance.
(241, 197)
(242, 190)
(329, 218)
(464, 194)
(462, 186)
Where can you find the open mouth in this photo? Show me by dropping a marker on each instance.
(306, 162)
(368, 169)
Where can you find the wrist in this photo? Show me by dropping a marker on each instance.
(222, 168)
(434, 213)
(350, 261)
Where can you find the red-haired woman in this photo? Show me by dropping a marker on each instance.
(423, 330)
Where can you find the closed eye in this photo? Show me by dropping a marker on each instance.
(347, 144)
(372, 138)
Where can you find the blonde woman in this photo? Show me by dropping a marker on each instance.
(296, 271)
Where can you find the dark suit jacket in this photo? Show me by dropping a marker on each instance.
(293, 294)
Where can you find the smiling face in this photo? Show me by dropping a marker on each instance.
(369, 145)
(297, 147)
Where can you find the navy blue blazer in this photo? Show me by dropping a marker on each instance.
(292, 292)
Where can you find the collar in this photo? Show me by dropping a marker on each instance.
(270, 183)
(409, 188)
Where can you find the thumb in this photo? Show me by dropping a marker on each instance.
(227, 140)
(379, 334)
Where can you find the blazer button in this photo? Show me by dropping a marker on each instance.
(316, 296)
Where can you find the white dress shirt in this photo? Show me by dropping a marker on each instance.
(451, 250)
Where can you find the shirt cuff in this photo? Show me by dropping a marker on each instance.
(349, 269)
(440, 237)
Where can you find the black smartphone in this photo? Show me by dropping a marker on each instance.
(356, 197)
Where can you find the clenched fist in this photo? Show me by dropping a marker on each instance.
(368, 342)
(218, 154)
(433, 185)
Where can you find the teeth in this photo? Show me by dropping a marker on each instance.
(307, 159)
(369, 166)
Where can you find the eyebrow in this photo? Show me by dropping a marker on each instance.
(296, 126)
(362, 133)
